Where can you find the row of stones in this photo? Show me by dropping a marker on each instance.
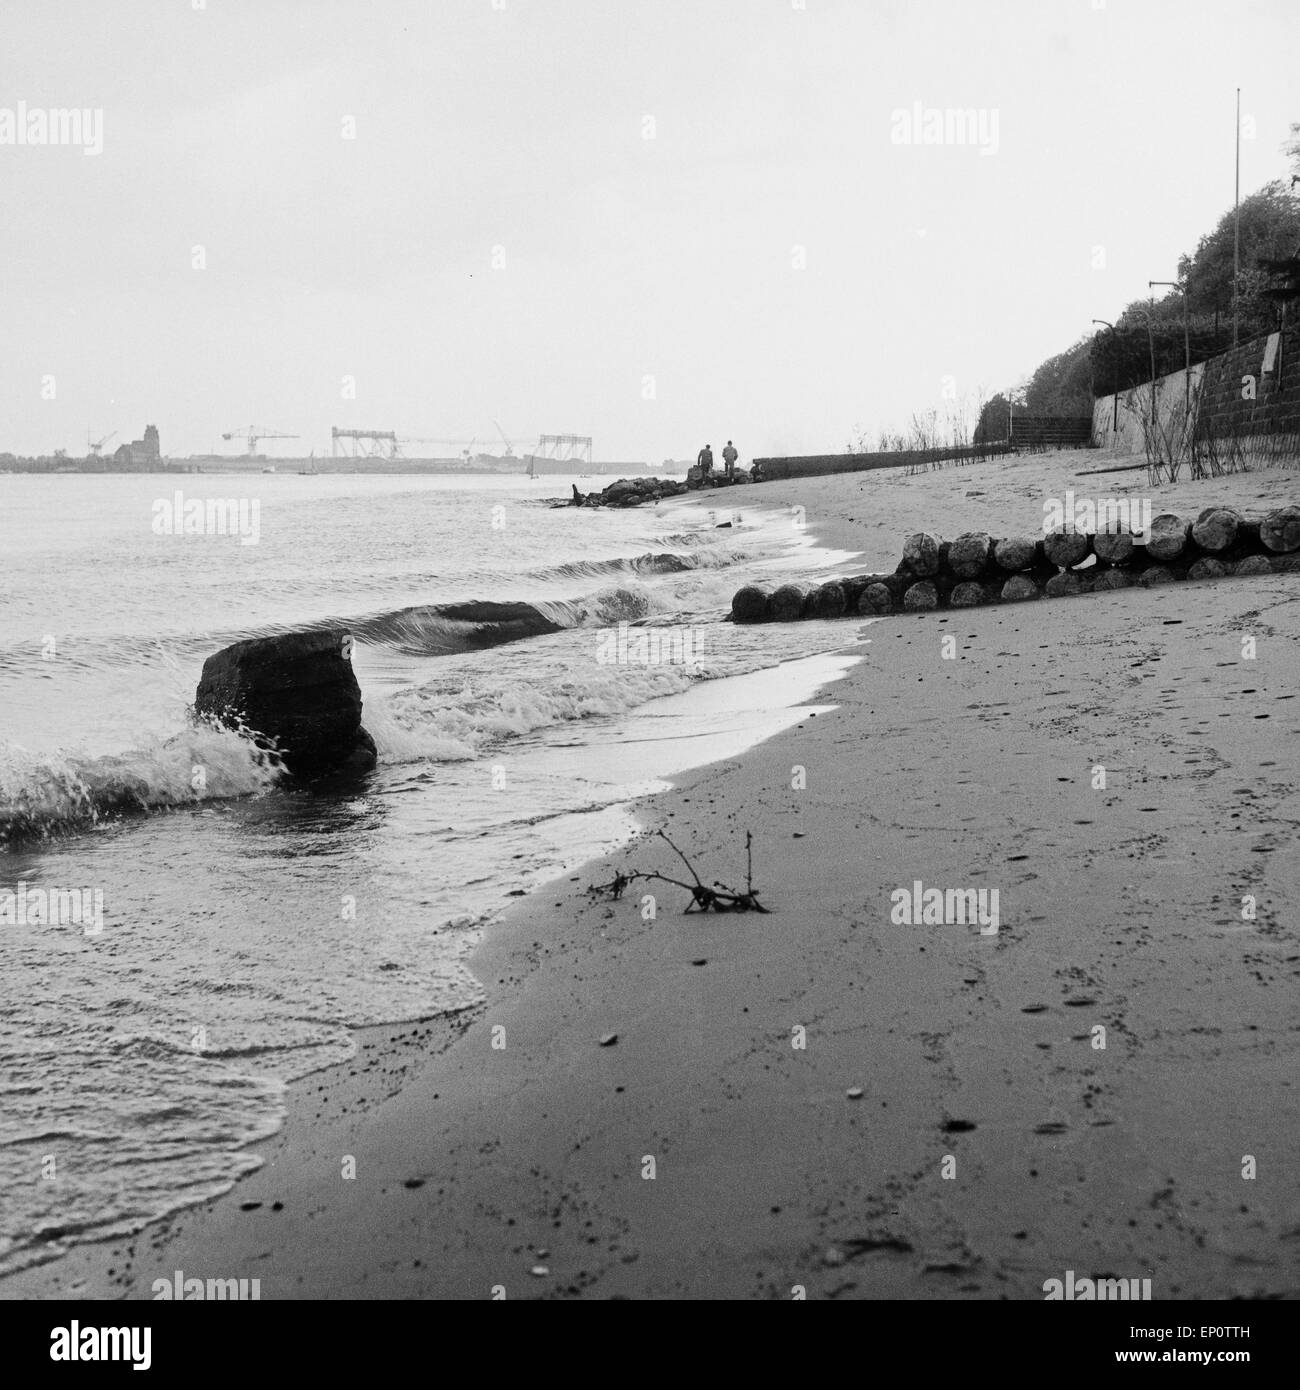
(976, 569)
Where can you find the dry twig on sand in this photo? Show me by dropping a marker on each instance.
(703, 897)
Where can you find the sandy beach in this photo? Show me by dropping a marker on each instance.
(825, 1102)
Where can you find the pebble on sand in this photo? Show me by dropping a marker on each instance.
(541, 1271)
(854, 1093)
(609, 1040)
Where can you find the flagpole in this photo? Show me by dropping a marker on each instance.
(1236, 225)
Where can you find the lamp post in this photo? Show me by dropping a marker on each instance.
(1114, 359)
(1151, 431)
(1187, 347)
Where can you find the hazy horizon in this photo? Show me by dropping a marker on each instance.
(658, 224)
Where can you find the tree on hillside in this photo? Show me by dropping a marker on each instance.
(993, 425)
(1063, 384)
(1270, 229)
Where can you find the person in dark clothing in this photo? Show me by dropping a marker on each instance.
(705, 460)
(729, 457)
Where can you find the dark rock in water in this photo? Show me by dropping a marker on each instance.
(496, 623)
(633, 492)
(828, 601)
(749, 605)
(297, 690)
(787, 604)
(854, 586)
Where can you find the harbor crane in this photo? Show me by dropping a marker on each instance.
(254, 433)
(510, 448)
(96, 445)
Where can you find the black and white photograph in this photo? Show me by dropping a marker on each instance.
(650, 650)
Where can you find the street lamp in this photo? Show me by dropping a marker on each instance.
(1187, 349)
(1114, 424)
(1151, 344)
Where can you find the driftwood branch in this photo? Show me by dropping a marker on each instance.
(719, 897)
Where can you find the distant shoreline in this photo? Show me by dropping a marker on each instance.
(440, 468)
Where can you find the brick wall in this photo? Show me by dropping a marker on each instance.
(1225, 409)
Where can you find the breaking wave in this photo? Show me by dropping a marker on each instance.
(47, 793)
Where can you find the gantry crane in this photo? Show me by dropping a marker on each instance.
(255, 432)
(96, 445)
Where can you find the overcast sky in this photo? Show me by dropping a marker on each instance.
(658, 222)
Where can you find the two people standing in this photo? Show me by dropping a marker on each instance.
(729, 457)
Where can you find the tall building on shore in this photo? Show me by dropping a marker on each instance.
(140, 454)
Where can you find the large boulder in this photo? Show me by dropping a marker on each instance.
(1168, 536)
(1066, 548)
(828, 601)
(787, 605)
(1019, 589)
(1113, 547)
(921, 554)
(921, 597)
(1280, 530)
(1017, 552)
(876, 598)
(623, 493)
(969, 554)
(1216, 528)
(749, 605)
(298, 693)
